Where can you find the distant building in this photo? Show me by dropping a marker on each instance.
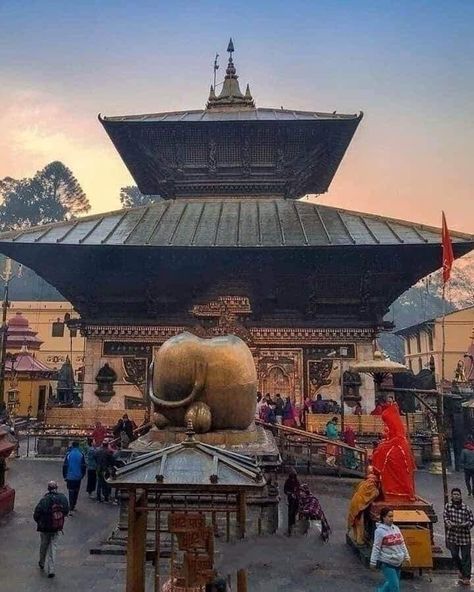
(46, 319)
(28, 381)
(423, 342)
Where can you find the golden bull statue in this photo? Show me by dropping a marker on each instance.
(212, 382)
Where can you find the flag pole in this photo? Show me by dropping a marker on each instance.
(447, 263)
(443, 333)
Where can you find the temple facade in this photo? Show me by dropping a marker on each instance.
(231, 249)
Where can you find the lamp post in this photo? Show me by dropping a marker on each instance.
(6, 276)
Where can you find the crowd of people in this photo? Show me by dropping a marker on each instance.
(94, 462)
(277, 410)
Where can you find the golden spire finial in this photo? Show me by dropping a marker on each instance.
(230, 96)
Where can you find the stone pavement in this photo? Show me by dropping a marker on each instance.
(275, 564)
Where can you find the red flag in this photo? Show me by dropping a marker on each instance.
(448, 256)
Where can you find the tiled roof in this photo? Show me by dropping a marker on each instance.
(191, 463)
(260, 114)
(234, 223)
(26, 362)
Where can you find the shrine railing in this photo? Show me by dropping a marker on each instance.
(317, 454)
(363, 425)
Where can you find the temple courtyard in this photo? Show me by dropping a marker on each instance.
(299, 564)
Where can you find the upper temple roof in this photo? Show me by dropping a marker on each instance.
(239, 152)
(236, 114)
(231, 147)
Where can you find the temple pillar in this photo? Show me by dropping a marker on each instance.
(136, 543)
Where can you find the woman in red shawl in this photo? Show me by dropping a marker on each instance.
(393, 459)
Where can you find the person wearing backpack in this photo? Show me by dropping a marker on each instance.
(49, 516)
(74, 469)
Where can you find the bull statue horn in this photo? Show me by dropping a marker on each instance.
(199, 382)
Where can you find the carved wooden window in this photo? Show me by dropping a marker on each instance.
(230, 150)
(263, 149)
(196, 149)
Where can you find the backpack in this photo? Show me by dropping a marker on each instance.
(55, 517)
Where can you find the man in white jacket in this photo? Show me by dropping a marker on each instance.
(389, 551)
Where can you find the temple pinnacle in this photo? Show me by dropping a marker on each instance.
(230, 96)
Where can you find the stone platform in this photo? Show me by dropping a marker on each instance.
(255, 442)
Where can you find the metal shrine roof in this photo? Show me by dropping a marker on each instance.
(191, 464)
(258, 114)
(232, 223)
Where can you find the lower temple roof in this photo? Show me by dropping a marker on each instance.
(232, 223)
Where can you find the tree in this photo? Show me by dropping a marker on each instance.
(52, 195)
(60, 185)
(131, 197)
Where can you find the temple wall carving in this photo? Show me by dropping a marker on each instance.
(291, 361)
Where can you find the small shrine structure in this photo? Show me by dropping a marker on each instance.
(28, 379)
(185, 495)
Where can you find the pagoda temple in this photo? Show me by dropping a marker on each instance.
(28, 380)
(232, 249)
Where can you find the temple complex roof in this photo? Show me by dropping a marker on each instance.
(236, 223)
(20, 334)
(231, 147)
(25, 363)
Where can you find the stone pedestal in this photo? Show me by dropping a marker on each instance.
(255, 442)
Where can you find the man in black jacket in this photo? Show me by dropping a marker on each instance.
(49, 516)
(105, 462)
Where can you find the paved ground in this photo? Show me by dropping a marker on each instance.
(276, 564)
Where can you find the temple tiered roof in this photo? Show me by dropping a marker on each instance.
(231, 148)
(232, 232)
(235, 223)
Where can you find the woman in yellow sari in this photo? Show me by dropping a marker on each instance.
(367, 491)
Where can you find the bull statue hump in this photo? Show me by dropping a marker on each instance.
(212, 382)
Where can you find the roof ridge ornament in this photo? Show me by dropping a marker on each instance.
(190, 433)
(231, 96)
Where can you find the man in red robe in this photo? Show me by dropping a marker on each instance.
(393, 459)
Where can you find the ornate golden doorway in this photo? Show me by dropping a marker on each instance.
(280, 371)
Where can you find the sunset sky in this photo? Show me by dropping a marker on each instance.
(407, 64)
